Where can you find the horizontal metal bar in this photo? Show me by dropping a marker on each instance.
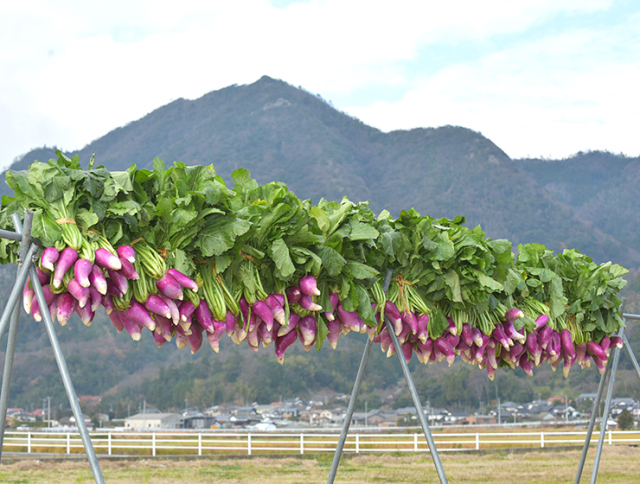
(6, 234)
(631, 316)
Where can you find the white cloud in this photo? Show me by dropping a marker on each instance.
(72, 70)
(552, 97)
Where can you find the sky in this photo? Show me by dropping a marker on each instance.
(545, 78)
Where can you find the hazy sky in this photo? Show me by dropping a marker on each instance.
(539, 78)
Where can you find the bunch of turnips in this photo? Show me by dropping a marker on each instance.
(177, 252)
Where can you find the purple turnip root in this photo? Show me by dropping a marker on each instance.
(293, 294)
(49, 258)
(173, 308)
(27, 298)
(106, 259)
(568, 363)
(85, 313)
(477, 336)
(112, 289)
(513, 315)
(349, 319)
(265, 335)
(195, 338)
(181, 339)
(159, 339)
(424, 350)
(97, 280)
(119, 280)
(491, 372)
(107, 301)
(544, 337)
(580, 354)
(605, 343)
(467, 334)
(156, 305)
(294, 319)
(277, 311)
(407, 351)
(443, 345)
(499, 335)
(68, 257)
(409, 318)
(82, 294)
(81, 270)
(526, 364)
(169, 287)
(126, 252)
(533, 348)
(512, 333)
(453, 339)
(309, 286)
(230, 323)
(391, 311)
(423, 327)
(128, 271)
(138, 314)
(164, 326)
(283, 342)
(35, 310)
(66, 306)
(96, 298)
(43, 277)
(133, 328)
(183, 280)
(595, 349)
(307, 303)
(334, 333)
(186, 310)
(567, 343)
(616, 342)
(541, 321)
(114, 316)
(204, 317)
(214, 338)
(452, 328)
(491, 358)
(330, 316)
(308, 328)
(555, 347)
(404, 334)
(263, 311)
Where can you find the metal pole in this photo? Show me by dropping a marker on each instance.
(416, 403)
(16, 292)
(592, 422)
(15, 319)
(354, 395)
(66, 380)
(605, 415)
(631, 355)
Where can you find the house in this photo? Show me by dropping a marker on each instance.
(480, 420)
(618, 405)
(585, 396)
(142, 421)
(193, 419)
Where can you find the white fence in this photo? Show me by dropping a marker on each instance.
(208, 443)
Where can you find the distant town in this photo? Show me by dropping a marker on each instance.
(322, 412)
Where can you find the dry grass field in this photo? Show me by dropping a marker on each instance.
(620, 465)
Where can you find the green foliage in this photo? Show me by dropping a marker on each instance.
(625, 420)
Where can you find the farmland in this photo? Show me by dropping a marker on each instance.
(619, 465)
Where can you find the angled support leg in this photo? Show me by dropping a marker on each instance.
(605, 415)
(354, 396)
(15, 319)
(416, 402)
(592, 422)
(66, 380)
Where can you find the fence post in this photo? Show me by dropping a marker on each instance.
(109, 443)
(68, 443)
(153, 444)
(301, 443)
(199, 443)
(248, 444)
(357, 443)
(542, 439)
(29, 442)
(415, 442)
(477, 441)
(610, 437)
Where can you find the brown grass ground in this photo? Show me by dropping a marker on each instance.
(619, 465)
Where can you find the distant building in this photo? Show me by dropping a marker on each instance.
(142, 421)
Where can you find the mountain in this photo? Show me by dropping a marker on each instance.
(284, 133)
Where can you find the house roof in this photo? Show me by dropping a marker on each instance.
(152, 416)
